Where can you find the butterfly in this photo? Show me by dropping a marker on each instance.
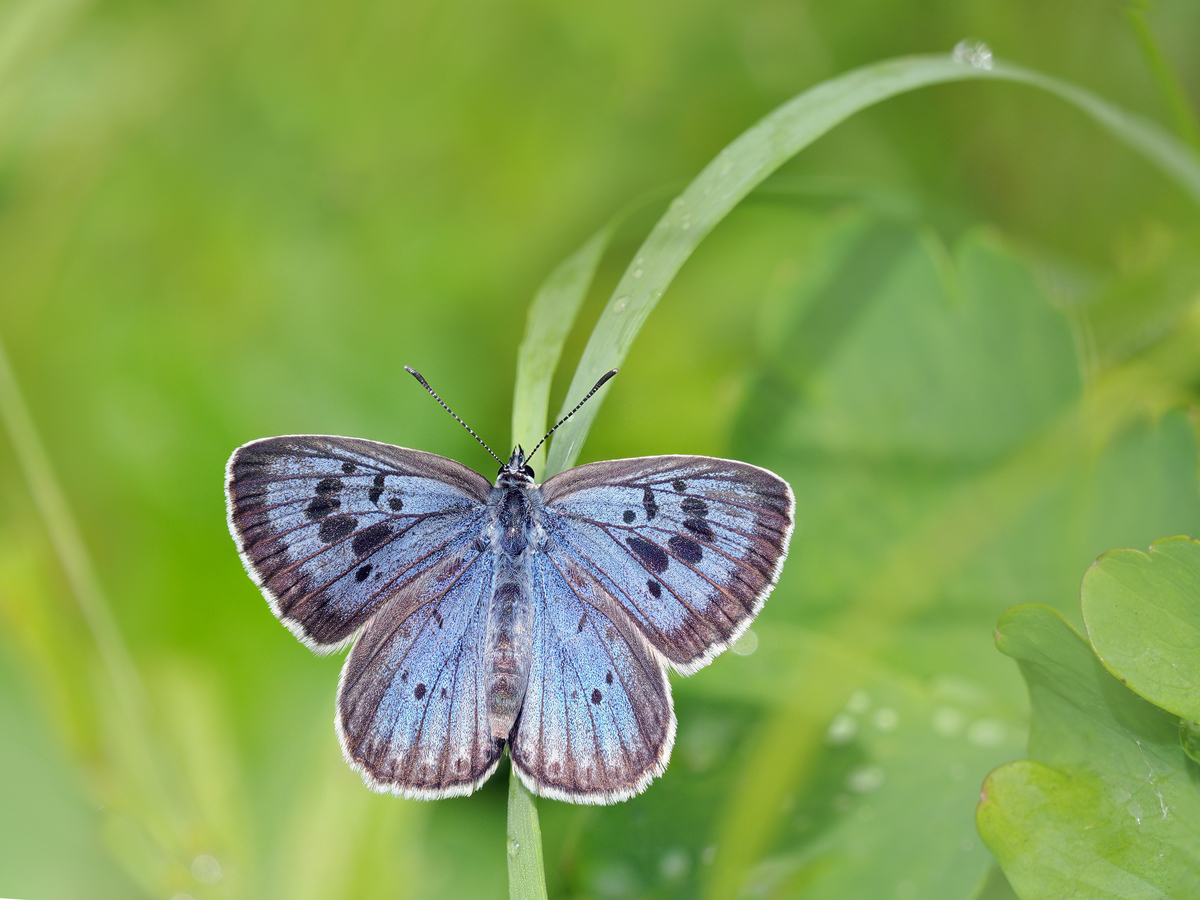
(541, 617)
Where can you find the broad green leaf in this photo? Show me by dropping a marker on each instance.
(1142, 612)
(1106, 806)
(920, 518)
(762, 149)
(900, 750)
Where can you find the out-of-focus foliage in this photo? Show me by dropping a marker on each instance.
(963, 325)
(1107, 804)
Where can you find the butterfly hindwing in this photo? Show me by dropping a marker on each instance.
(597, 723)
(331, 527)
(412, 704)
(689, 546)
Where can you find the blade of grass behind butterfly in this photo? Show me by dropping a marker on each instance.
(551, 316)
(762, 149)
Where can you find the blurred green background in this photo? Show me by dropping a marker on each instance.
(961, 325)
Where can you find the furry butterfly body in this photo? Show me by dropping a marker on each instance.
(544, 617)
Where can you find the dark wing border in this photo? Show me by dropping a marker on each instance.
(579, 478)
(464, 477)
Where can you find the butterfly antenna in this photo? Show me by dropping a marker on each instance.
(425, 384)
(599, 384)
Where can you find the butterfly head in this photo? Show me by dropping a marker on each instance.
(516, 470)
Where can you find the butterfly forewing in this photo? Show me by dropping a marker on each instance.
(331, 528)
(597, 723)
(689, 546)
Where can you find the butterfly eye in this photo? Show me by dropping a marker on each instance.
(529, 471)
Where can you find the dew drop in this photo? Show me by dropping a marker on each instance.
(687, 222)
(885, 719)
(206, 869)
(864, 779)
(1135, 810)
(1189, 738)
(514, 847)
(620, 305)
(675, 864)
(947, 722)
(974, 53)
(746, 644)
(986, 733)
(727, 168)
(842, 729)
(637, 273)
(859, 702)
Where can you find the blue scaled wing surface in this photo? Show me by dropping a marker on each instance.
(646, 563)
(346, 536)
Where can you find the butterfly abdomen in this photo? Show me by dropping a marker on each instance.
(509, 647)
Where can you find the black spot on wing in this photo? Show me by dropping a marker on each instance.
(348, 467)
(321, 506)
(363, 573)
(337, 527)
(629, 516)
(419, 691)
(371, 537)
(396, 504)
(700, 528)
(680, 486)
(649, 504)
(329, 485)
(652, 556)
(376, 489)
(654, 588)
(608, 678)
(694, 506)
(686, 549)
(597, 696)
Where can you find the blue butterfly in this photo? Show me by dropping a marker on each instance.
(541, 616)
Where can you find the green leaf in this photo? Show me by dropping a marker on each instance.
(1142, 612)
(1106, 806)
(900, 750)
(762, 149)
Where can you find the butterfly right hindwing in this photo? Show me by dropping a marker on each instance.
(597, 723)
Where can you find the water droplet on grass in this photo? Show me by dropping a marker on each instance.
(859, 702)
(514, 847)
(974, 53)
(675, 864)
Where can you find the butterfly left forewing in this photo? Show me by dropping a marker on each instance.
(330, 528)
(688, 546)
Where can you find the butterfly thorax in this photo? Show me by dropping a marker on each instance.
(514, 507)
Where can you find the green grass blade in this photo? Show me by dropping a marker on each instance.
(551, 316)
(526, 875)
(758, 152)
